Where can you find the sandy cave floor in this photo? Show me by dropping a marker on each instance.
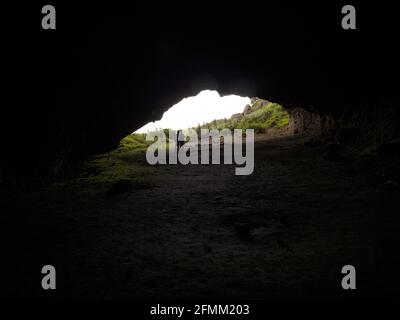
(199, 231)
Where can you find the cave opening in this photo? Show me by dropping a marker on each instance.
(205, 107)
(208, 110)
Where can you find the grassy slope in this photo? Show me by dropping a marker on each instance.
(271, 115)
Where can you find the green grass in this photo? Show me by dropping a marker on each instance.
(128, 161)
(134, 141)
(271, 115)
(110, 167)
(137, 142)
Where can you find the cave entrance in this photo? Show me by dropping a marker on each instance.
(210, 110)
(199, 110)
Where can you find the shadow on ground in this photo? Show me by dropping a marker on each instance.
(123, 229)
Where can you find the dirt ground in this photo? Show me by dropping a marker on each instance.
(199, 231)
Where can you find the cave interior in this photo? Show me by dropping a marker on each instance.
(109, 69)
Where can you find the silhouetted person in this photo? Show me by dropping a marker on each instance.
(180, 139)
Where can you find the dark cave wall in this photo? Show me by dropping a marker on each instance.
(104, 73)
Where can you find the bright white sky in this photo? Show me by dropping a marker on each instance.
(205, 107)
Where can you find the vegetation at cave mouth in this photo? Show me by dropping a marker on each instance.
(260, 115)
